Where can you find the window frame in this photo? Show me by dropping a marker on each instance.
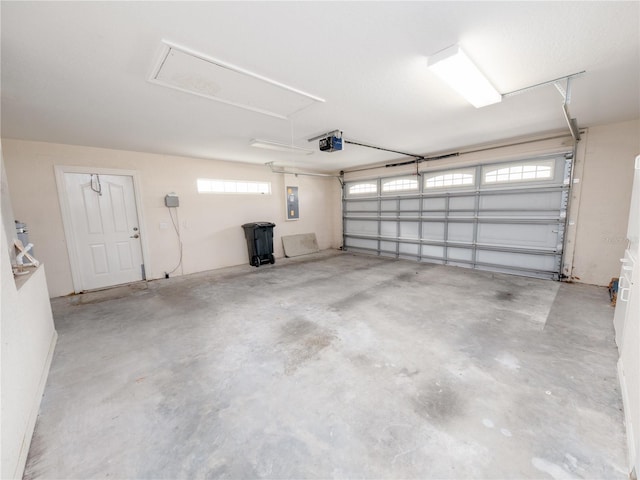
(549, 163)
(230, 187)
(399, 191)
(351, 185)
(443, 173)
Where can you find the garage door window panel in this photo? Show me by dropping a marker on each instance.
(519, 172)
(459, 178)
(399, 185)
(368, 188)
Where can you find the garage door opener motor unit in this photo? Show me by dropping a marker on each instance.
(331, 143)
(259, 237)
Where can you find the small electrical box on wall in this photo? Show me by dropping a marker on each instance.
(172, 200)
(293, 212)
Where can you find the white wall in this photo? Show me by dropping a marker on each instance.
(629, 371)
(28, 339)
(210, 224)
(627, 324)
(607, 176)
(7, 211)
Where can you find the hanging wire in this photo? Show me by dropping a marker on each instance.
(98, 190)
(176, 227)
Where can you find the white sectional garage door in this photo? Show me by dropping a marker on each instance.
(507, 217)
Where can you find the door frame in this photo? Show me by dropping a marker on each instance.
(65, 210)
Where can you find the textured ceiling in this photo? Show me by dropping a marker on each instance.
(76, 72)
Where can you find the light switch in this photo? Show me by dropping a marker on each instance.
(164, 226)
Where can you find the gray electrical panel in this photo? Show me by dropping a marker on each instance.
(292, 203)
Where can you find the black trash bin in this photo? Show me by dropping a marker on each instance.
(259, 237)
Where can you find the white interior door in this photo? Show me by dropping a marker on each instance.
(105, 229)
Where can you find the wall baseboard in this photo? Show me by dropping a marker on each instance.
(631, 460)
(35, 408)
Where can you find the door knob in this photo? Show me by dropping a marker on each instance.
(135, 236)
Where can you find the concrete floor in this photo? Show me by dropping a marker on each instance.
(334, 366)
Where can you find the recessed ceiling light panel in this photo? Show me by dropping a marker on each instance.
(192, 72)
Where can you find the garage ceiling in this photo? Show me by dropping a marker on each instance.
(77, 73)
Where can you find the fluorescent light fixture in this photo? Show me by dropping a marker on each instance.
(280, 147)
(454, 67)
